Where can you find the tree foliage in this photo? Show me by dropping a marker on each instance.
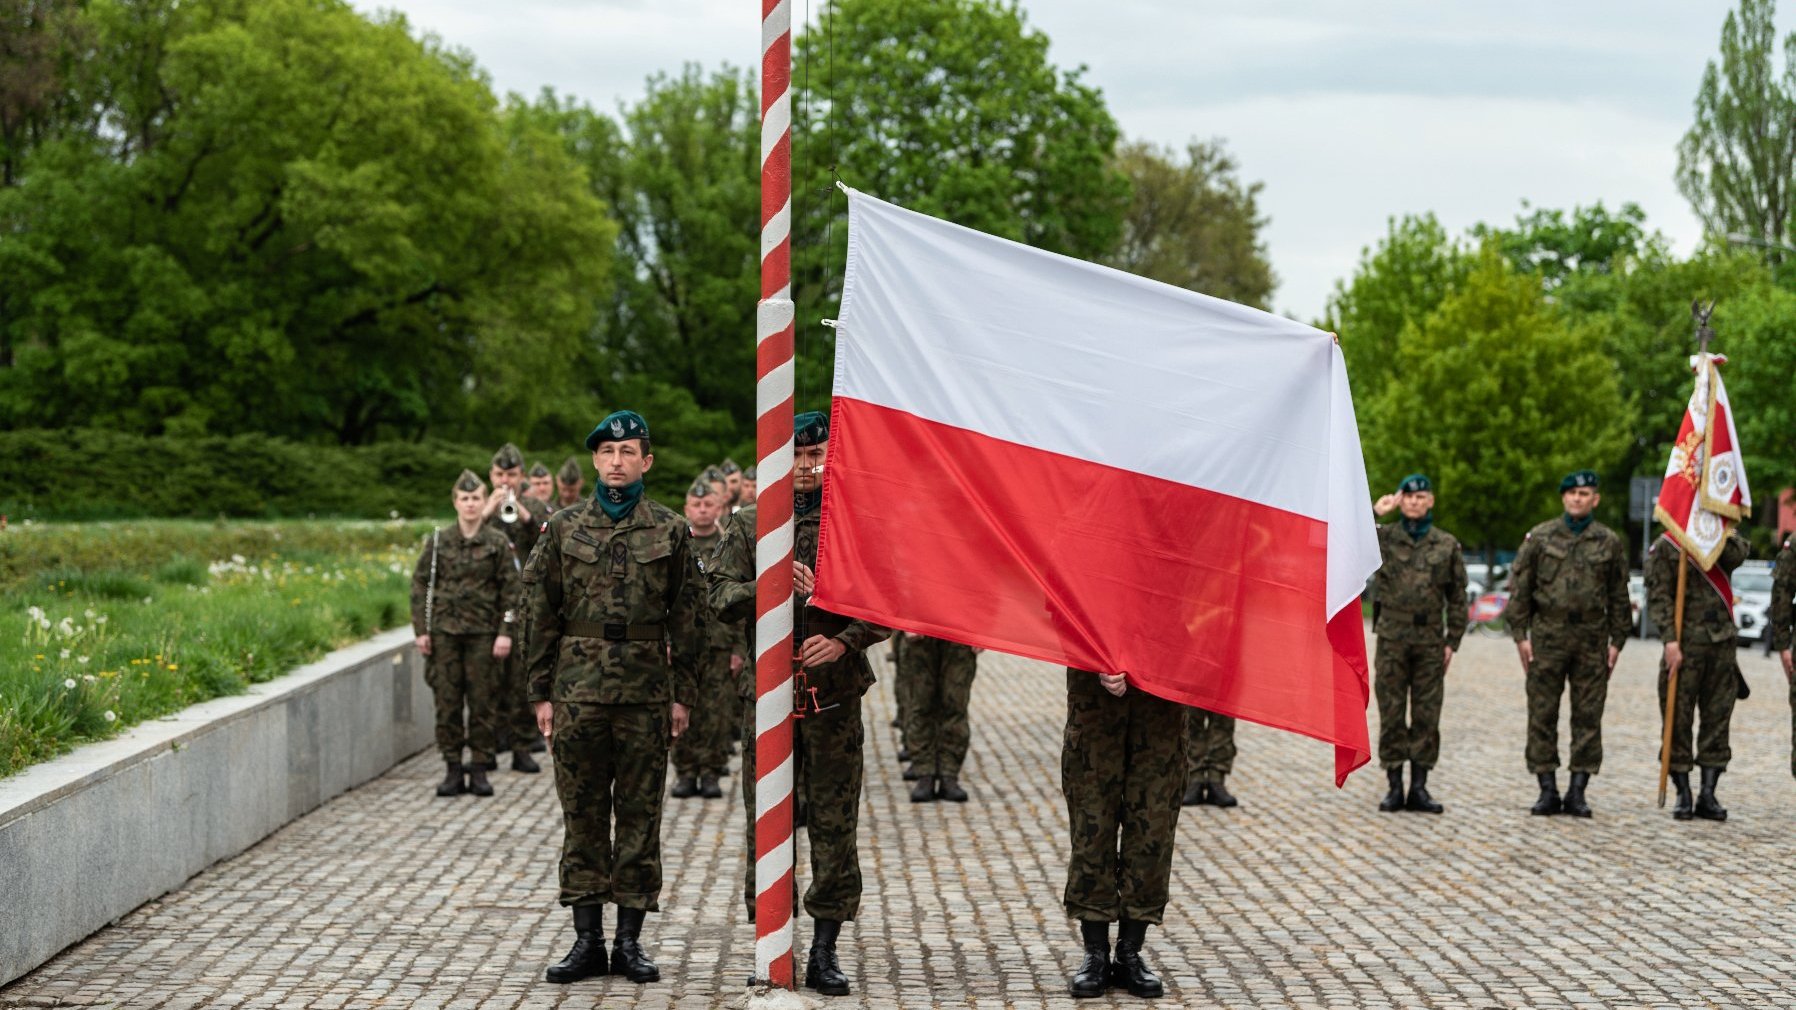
(1397, 284)
(1192, 222)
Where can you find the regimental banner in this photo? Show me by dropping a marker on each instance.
(1705, 489)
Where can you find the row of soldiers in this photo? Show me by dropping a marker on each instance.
(1570, 617)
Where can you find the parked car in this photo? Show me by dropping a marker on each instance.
(1752, 599)
(1482, 578)
(1637, 597)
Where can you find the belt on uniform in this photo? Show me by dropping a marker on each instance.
(1565, 617)
(613, 632)
(1420, 618)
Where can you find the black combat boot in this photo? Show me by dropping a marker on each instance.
(911, 774)
(452, 784)
(1683, 809)
(948, 788)
(521, 761)
(627, 958)
(1393, 800)
(588, 956)
(1549, 803)
(1093, 976)
(539, 745)
(924, 790)
(684, 786)
(1220, 795)
(1128, 970)
(1707, 807)
(904, 755)
(821, 972)
(1574, 795)
(1418, 792)
(709, 789)
(477, 782)
(1194, 795)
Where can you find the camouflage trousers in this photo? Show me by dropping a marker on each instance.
(463, 674)
(1707, 684)
(1209, 746)
(940, 686)
(1122, 769)
(514, 720)
(903, 687)
(611, 762)
(1410, 682)
(827, 794)
(1582, 660)
(704, 749)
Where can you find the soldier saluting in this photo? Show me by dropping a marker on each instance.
(1569, 614)
(610, 586)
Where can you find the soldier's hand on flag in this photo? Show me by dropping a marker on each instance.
(545, 720)
(1674, 657)
(682, 717)
(1525, 649)
(803, 579)
(1789, 669)
(1115, 685)
(819, 650)
(501, 646)
(423, 645)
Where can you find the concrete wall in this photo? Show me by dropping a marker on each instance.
(91, 835)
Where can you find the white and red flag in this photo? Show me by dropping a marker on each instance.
(1705, 490)
(1050, 458)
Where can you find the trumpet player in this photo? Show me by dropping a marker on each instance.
(512, 512)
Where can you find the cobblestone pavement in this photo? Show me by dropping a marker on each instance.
(1304, 896)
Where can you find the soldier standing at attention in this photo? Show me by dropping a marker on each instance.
(1569, 614)
(936, 730)
(516, 725)
(1122, 768)
(1210, 757)
(827, 735)
(610, 587)
(542, 485)
(1708, 679)
(464, 591)
(732, 482)
(746, 496)
(1783, 617)
(569, 483)
(701, 755)
(1420, 616)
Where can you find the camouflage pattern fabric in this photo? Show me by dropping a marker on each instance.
(1707, 617)
(939, 679)
(704, 749)
(610, 767)
(517, 724)
(1122, 769)
(476, 582)
(1419, 597)
(1410, 680)
(463, 674)
(1209, 746)
(1569, 594)
(1708, 680)
(1783, 614)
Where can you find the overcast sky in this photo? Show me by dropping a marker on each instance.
(1350, 112)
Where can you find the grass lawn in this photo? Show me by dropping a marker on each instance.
(103, 625)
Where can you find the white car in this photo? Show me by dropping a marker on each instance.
(1752, 599)
(1637, 597)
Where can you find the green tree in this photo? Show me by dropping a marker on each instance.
(1496, 395)
(1754, 330)
(1396, 285)
(950, 108)
(1555, 246)
(1194, 223)
(1736, 161)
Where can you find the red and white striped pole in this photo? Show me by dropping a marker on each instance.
(773, 529)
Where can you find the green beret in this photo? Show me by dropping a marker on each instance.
(700, 488)
(570, 471)
(508, 458)
(469, 481)
(1580, 478)
(1415, 482)
(748, 474)
(810, 428)
(539, 470)
(618, 426)
(728, 467)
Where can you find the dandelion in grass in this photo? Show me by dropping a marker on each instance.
(109, 715)
(69, 683)
(64, 654)
(81, 659)
(100, 619)
(88, 678)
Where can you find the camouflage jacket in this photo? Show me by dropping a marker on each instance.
(732, 591)
(1783, 587)
(1707, 618)
(1563, 580)
(714, 633)
(476, 584)
(607, 600)
(1419, 591)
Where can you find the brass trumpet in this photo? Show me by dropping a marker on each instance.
(508, 512)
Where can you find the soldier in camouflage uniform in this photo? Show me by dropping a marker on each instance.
(542, 485)
(701, 755)
(1569, 614)
(1420, 616)
(833, 675)
(936, 729)
(1709, 680)
(1210, 757)
(570, 483)
(611, 586)
(732, 483)
(1783, 617)
(1122, 768)
(516, 725)
(746, 496)
(464, 599)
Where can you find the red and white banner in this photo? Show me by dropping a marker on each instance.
(1050, 458)
(1705, 489)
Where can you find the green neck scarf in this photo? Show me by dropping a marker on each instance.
(1577, 526)
(806, 502)
(618, 501)
(1418, 528)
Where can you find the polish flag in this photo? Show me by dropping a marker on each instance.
(1705, 490)
(1045, 457)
